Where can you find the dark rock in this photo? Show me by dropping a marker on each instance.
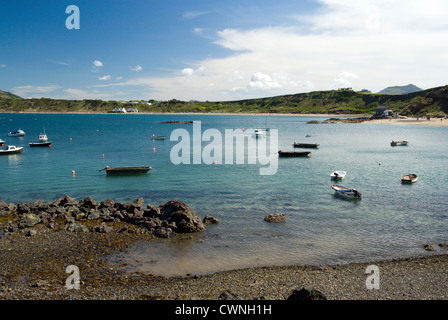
(65, 200)
(210, 220)
(88, 203)
(306, 294)
(275, 217)
(227, 295)
(23, 208)
(182, 215)
(28, 220)
(102, 228)
(163, 232)
(76, 227)
(108, 203)
(151, 211)
(443, 245)
(122, 228)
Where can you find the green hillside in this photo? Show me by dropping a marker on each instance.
(432, 102)
(4, 94)
(410, 88)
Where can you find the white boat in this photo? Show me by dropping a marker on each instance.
(335, 175)
(42, 141)
(154, 137)
(399, 143)
(409, 178)
(346, 192)
(258, 133)
(11, 150)
(18, 133)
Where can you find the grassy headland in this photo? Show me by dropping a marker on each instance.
(432, 102)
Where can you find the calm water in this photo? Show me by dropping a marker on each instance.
(392, 220)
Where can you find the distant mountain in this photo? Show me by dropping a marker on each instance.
(4, 94)
(400, 89)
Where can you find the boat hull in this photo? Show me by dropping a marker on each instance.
(40, 144)
(306, 145)
(12, 151)
(127, 170)
(338, 175)
(346, 193)
(290, 154)
(409, 178)
(398, 143)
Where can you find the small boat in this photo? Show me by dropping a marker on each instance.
(305, 145)
(409, 178)
(346, 192)
(11, 150)
(126, 170)
(399, 143)
(18, 133)
(258, 133)
(335, 175)
(42, 141)
(154, 137)
(285, 154)
(2, 142)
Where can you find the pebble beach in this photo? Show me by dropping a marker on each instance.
(34, 268)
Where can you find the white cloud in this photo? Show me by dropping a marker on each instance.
(368, 44)
(2, 65)
(137, 68)
(97, 63)
(193, 14)
(105, 77)
(30, 91)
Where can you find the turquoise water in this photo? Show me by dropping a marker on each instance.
(392, 220)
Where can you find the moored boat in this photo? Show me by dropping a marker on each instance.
(305, 145)
(11, 150)
(42, 141)
(399, 143)
(335, 175)
(154, 137)
(409, 178)
(258, 133)
(126, 170)
(293, 154)
(17, 133)
(345, 192)
(2, 142)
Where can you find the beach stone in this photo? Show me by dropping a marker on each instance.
(76, 227)
(443, 245)
(428, 247)
(65, 200)
(182, 215)
(210, 220)
(306, 294)
(88, 203)
(102, 228)
(28, 220)
(275, 217)
(227, 295)
(163, 232)
(6, 208)
(151, 211)
(31, 233)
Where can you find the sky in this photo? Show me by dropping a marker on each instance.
(224, 50)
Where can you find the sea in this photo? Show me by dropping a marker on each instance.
(392, 220)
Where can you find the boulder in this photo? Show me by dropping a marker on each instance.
(102, 228)
(210, 220)
(185, 220)
(275, 217)
(306, 294)
(88, 203)
(162, 232)
(65, 200)
(28, 220)
(76, 227)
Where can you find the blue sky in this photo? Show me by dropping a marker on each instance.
(219, 50)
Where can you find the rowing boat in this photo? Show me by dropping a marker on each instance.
(126, 170)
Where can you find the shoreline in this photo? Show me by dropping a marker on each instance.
(34, 269)
(434, 122)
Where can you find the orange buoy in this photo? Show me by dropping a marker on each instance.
(154, 149)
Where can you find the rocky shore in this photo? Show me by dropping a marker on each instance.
(38, 241)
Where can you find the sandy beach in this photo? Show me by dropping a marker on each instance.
(433, 122)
